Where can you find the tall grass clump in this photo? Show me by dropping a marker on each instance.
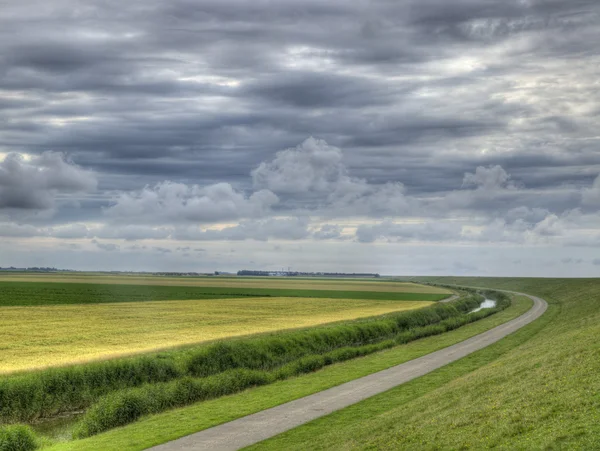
(126, 406)
(45, 393)
(17, 438)
(268, 352)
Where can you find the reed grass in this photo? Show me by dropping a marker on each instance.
(17, 438)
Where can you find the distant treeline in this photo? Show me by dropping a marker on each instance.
(162, 273)
(35, 269)
(174, 274)
(247, 272)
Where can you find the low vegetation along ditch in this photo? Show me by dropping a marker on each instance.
(118, 392)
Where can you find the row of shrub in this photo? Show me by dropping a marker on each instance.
(48, 392)
(126, 406)
(17, 438)
(268, 352)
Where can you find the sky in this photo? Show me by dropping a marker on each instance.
(404, 137)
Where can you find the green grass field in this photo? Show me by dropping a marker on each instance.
(536, 389)
(288, 283)
(55, 291)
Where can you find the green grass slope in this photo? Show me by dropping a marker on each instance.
(537, 389)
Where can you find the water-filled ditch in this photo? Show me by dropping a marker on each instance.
(487, 303)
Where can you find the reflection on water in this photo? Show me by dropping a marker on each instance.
(488, 303)
(58, 428)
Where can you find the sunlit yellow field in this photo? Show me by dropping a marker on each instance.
(40, 336)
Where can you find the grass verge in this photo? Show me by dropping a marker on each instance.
(346, 429)
(542, 394)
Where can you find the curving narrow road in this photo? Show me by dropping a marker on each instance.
(260, 426)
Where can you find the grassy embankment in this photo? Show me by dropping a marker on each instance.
(536, 389)
(155, 429)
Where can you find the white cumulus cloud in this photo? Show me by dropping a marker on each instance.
(314, 170)
(174, 202)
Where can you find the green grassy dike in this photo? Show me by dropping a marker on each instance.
(536, 389)
(156, 429)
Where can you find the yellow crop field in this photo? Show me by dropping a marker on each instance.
(370, 285)
(41, 336)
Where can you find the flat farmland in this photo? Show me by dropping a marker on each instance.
(77, 350)
(368, 285)
(55, 320)
(56, 291)
(40, 336)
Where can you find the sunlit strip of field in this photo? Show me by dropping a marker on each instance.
(233, 282)
(41, 336)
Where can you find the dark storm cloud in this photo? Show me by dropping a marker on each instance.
(54, 57)
(34, 185)
(319, 90)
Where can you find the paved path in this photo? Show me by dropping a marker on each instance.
(260, 426)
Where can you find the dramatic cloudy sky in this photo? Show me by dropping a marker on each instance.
(400, 137)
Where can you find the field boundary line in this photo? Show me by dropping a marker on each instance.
(268, 423)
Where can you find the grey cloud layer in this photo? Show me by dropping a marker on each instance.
(434, 120)
(174, 202)
(223, 85)
(314, 173)
(33, 185)
(302, 186)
